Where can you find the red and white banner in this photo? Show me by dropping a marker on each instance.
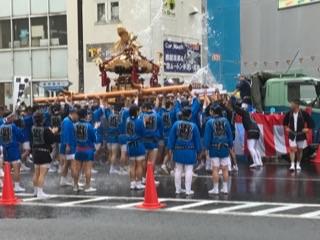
(273, 138)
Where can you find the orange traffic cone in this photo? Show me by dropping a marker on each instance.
(317, 158)
(150, 195)
(8, 197)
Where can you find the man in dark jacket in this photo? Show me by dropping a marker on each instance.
(297, 123)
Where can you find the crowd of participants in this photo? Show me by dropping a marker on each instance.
(177, 133)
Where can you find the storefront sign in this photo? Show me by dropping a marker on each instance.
(54, 85)
(102, 50)
(181, 57)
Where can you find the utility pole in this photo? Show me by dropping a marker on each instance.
(80, 46)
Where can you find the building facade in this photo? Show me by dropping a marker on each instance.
(51, 41)
(223, 28)
(276, 38)
(33, 43)
(267, 35)
(159, 25)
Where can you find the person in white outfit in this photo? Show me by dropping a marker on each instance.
(252, 132)
(297, 123)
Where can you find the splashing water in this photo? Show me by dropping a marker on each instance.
(154, 32)
(203, 76)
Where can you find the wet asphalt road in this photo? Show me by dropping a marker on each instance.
(121, 224)
(274, 183)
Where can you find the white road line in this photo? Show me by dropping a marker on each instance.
(35, 198)
(24, 194)
(257, 178)
(190, 205)
(171, 199)
(311, 214)
(128, 205)
(91, 200)
(233, 208)
(277, 209)
(30, 199)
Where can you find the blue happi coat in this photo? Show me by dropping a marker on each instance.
(134, 134)
(28, 123)
(85, 140)
(10, 138)
(168, 119)
(124, 114)
(218, 137)
(184, 141)
(153, 126)
(113, 128)
(101, 115)
(67, 136)
(195, 111)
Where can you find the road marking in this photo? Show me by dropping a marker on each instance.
(276, 209)
(311, 214)
(190, 205)
(90, 200)
(303, 179)
(35, 198)
(233, 208)
(185, 207)
(128, 205)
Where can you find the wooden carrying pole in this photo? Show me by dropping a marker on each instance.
(124, 93)
(166, 90)
(83, 96)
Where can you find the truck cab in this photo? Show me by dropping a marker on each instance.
(279, 92)
(274, 92)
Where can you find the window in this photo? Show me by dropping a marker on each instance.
(22, 63)
(39, 32)
(58, 30)
(39, 6)
(6, 65)
(114, 6)
(20, 33)
(40, 63)
(5, 34)
(20, 7)
(305, 92)
(5, 10)
(58, 5)
(59, 63)
(8, 91)
(101, 12)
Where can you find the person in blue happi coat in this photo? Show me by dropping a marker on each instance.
(124, 114)
(218, 141)
(135, 147)
(11, 137)
(152, 123)
(85, 136)
(168, 119)
(68, 144)
(184, 143)
(112, 136)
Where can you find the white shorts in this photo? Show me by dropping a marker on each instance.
(26, 146)
(97, 146)
(15, 161)
(217, 162)
(69, 157)
(141, 158)
(298, 144)
(47, 165)
(124, 148)
(113, 146)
